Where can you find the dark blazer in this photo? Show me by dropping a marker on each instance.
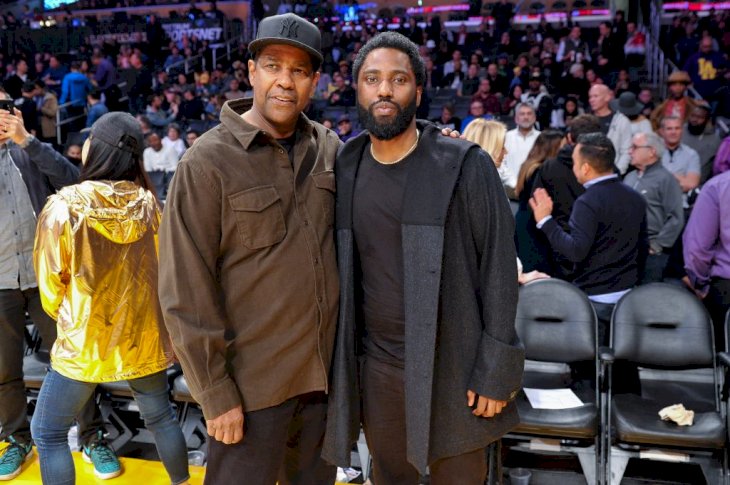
(607, 240)
(460, 297)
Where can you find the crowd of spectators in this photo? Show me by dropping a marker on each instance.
(539, 79)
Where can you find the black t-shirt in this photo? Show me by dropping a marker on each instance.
(376, 214)
(605, 123)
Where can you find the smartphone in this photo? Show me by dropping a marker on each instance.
(7, 105)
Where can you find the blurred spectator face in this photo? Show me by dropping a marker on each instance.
(74, 152)
(706, 45)
(234, 85)
(631, 28)
(591, 76)
(283, 82)
(525, 118)
(40, 67)
(429, 64)
(169, 96)
(473, 71)
(53, 62)
(457, 66)
(698, 118)
(182, 79)
(327, 123)
(485, 86)
(598, 97)
(603, 29)
(505, 38)
(446, 114)
(21, 67)
(153, 140)
(344, 127)
(492, 70)
(645, 96)
(456, 56)
(175, 51)
(640, 154)
(623, 75)
(476, 108)
(677, 90)
(517, 92)
(571, 106)
(338, 81)
(522, 62)
(173, 134)
(671, 131)
(575, 33)
(135, 61)
(188, 95)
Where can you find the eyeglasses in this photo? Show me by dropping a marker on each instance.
(636, 147)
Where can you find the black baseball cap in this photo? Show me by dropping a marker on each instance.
(121, 131)
(289, 29)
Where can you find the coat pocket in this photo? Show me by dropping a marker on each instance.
(259, 217)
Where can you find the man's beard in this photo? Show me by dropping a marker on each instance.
(389, 129)
(696, 130)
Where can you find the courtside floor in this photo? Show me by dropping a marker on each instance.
(135, 472)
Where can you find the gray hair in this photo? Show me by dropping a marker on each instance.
(655, 141)
(667, 118)
(525, 105)
(575, 67)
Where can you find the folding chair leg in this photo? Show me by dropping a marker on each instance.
(588, 461)
(713, 472)
(618, 463)
(365, 460)
(494, 463)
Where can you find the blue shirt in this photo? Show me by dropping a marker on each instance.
(75, 87)
(95, 112)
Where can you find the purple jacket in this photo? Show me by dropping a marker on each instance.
(707, 235)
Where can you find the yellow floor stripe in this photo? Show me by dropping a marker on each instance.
(135, 472)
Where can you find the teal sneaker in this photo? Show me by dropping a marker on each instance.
(105, 461)
(12, 459)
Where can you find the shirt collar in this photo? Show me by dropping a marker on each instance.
(593, 182)
(245, 132)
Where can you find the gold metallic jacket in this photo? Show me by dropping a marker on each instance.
(96, 261)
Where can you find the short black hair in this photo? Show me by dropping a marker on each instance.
(393, 40)
(597, 150)
(28, 87)
(582, 125)
(95, 94)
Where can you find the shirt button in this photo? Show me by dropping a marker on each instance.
(319, 299)
(316, 261)
(281, 150)
(306, 222)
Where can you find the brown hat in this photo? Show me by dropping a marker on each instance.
(679, 77)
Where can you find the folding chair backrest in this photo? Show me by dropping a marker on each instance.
(662, 326)
(556, 322)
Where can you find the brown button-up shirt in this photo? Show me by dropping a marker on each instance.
(248, 277)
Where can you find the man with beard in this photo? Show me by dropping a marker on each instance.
(678, 104)
(248, 282)
(428, 287)
(699, 134)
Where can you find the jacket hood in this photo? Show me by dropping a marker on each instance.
(120, 211)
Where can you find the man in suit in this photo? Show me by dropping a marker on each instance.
(607, 238)
(428, 287)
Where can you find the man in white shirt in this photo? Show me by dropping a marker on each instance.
(678, 158)
(160, 162)
(519, 141)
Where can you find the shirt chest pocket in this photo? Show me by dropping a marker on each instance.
(259, 216)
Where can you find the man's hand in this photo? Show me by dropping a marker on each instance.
(451, 133)
(525, 278)
(12, 127)
(486, 407)
(228, 427)
(541, 204)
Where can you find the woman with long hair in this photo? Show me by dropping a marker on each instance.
(490, 135)
(533, 248)
(96, 261)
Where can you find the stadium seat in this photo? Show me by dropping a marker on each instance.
(666, 332)
(189, 414)
(557, 325)
(580, 4)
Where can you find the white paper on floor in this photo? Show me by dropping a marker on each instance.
(552, 398)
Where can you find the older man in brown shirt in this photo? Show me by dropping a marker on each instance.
(248, 279)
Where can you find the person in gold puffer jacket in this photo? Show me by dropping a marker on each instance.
(96, 260)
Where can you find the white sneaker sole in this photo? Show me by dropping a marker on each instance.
(4, 478)
(97, 473)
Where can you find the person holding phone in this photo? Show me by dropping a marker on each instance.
(30, 171)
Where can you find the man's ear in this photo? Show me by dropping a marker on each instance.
(251, 70)
(419, 93)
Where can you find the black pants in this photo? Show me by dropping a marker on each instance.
(384, 409)
(717, 303)
(13, 406)
(281, 443)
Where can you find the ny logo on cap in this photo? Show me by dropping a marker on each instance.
(289, 28)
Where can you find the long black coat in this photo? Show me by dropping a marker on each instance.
(460, 296)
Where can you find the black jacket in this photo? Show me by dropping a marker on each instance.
(460, 296)
(607, 239)
(556, 176)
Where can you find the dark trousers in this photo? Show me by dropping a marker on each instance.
(717, 303)
(384, 420)
(654, 269)
(281, 443)
(13, 405)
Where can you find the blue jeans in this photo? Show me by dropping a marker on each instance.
(61, 399)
